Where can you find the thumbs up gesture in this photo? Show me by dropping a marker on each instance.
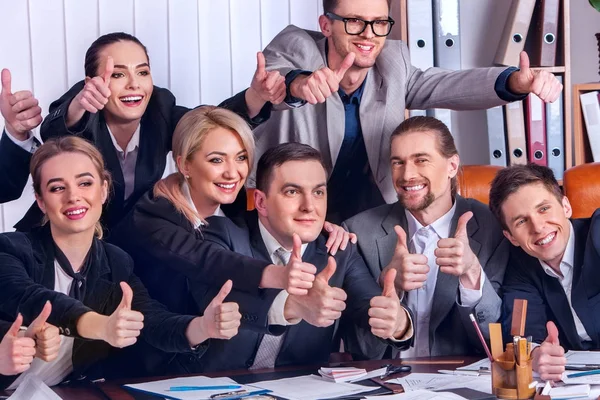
(322, 305)
(94, 95)
(387, 317)
(20, 110)
(16, 353)
(221, 320)
(46, 336)
(549, 358)
(318, 86)
(124, 325)
(455, 257)
(299, 275)
(539, 82)
(412, 269)
(268, 85)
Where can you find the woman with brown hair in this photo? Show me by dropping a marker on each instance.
(97, 301)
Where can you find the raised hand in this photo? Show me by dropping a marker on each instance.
(387, 317)
(455, 257)
(124, 324)
(549, 358)
(20, 110)
(300, 275)
(16, 353)
(318, 86)
(94, 95)
(338, 238)
(539, 82)
(46, 336)
(221, 320)
(268, 85)
(412, 269)
(322, 305)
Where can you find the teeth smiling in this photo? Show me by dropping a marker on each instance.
(414, 188)
(76, 212)
(131, 98)
(546, 240)
(224, 186)
(363, 47)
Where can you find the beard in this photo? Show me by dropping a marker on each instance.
(425, 202)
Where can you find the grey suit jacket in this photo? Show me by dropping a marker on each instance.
(450, 330)
(392, 85)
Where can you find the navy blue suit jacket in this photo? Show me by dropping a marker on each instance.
(303, 343)
(526, 279)
(14, 169)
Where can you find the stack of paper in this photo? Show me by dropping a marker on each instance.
(418, 381)
(346, 374)
(311, 387)
(193, 387)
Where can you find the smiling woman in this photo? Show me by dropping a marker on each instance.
(130, 120)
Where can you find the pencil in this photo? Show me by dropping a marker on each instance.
(485, 346)
(432, 362)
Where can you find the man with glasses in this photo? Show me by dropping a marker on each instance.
(358, 85)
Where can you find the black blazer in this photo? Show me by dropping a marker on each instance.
(27, 282)
(526, 279)
(303, 343)
(156, 132)
(14, 169)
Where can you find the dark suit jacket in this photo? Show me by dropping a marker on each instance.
(303, 343)
(546, 299)
(27, 282)
(14, 169)
(156, 133)
(450, 329)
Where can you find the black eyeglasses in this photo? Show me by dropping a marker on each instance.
(356, 26)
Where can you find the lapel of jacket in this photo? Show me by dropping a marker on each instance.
(446, 286)
(259, 250)
(106, 147)
(386, 245)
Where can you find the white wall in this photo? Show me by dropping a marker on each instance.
(204, 50)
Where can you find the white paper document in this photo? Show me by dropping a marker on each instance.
(590, 379)
(33, 388)
(582, 357)
(161, 388)
(418, 395)
(311, 387)
(417, 381)
(484, 365)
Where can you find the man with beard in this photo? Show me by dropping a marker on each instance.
(448, 251)
(358, 84)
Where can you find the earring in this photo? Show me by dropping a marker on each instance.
(187, 177)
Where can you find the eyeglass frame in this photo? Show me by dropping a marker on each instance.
(336, 17)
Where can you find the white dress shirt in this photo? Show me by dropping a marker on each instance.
(185, 190)
(30, 144)
(54, 372)
(566, 280)
(127, 159)
(423, 240)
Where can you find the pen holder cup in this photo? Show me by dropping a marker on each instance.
(510, 380)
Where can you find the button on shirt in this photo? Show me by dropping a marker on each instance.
(566, 280)
(127, 159)
(423, 240)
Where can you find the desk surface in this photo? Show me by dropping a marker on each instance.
(114, 390)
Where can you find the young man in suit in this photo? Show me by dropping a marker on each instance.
(291, 202)
(448, 251)
(21, 115)
(554, 265)
(359, 83)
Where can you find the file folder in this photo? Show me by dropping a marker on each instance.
(591, 114)
(417, 113)
(544, 53)
(555, 135)
(446, 31)
(536, 130)
(420, 33)
(496, 136)
(515, 128)
(514, 34)
(443, 115)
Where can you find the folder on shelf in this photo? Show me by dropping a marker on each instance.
(420, 33)
(514, 34)
(536, 130)
(555, 135)
(443, 115)
(590, 106)
(546, 33)
(417, 113)
(515, 128)
(496, 136)
(446, 32)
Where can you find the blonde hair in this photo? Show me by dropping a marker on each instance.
(67, 144)
(189, 135)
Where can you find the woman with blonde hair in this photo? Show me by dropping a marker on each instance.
(97, 301)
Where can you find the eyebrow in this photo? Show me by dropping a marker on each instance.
(536, 206)
(137, 66)
(220, 153)
(416, 155)
(62, 179)
(296, 186)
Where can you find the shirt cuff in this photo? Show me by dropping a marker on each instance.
(289, 99)
(501, 86)
(470, 297)
(409, 332)
(275, 315)
(26, 144)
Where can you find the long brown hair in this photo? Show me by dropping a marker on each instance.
(67, 144)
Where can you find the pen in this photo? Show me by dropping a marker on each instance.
(247, 394)
(584, 373)
(463, 372)
(485, 346)
(581, 367)
(190, 388)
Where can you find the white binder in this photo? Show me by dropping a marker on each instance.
(446, 32)
(591, 115)
(555, 136)
(420, 33)
(496, 136)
